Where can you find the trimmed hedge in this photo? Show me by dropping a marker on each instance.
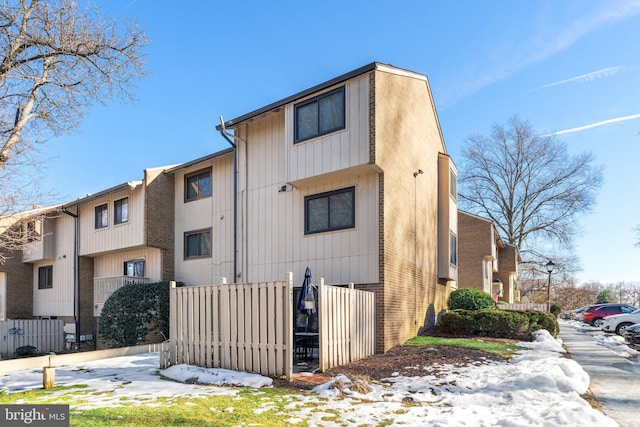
(495, 323)
(469, 299)
(135, 314)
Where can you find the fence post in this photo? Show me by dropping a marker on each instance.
(288, 312)
(173, 328)
(322, 326)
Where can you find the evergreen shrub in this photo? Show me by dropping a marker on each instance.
(469, 299)
(135, 314)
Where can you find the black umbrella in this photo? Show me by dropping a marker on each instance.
(306, 299)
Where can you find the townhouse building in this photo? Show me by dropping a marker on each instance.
(486, 261)
(87, 249)
(350, 178)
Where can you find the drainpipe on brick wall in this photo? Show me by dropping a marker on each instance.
(76, 276)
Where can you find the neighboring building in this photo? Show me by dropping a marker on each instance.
(90, 247)
(16, 276)
(350, 178)
(485, 261)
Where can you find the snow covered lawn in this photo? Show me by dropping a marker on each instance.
(538, 387)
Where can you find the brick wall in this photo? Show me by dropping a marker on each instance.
(159, 218)
(85, 286)
(407, 138)
(19, 282)
(474, 244)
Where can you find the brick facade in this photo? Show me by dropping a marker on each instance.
(19, 286)
(159, 216)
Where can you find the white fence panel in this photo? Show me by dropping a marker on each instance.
(523, 307)
(45, 335)
(346, 319)
(244, 327)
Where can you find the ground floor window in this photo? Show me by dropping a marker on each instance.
(45, 277)
(134, 268)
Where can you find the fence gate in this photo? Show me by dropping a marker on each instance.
(346, 324)
(45, 335)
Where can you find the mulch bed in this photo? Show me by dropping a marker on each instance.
(405, 360)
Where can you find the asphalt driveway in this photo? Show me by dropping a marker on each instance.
(615, 377)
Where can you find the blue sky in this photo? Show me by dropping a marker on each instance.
(571, 67)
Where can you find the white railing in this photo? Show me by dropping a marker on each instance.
(523, 306)
(103, 287)
(45, 335)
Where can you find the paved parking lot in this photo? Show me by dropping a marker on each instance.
(615, 378)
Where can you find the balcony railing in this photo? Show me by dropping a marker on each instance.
(103, 287)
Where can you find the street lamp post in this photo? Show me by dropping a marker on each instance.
(549, 267)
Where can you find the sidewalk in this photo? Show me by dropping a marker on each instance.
(615, 380)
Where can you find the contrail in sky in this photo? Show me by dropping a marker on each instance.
(595, 125)
(605, 72)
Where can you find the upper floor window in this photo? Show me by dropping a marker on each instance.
(121, 211)
(197, 244)
(320, 115)
(33, 231)
(453, 184)
(330, 211)
(45, 277)
(197, 185)
(102, 216)
(453, 249)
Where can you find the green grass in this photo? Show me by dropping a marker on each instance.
(263, 407)
(249, 407)
(503, 350)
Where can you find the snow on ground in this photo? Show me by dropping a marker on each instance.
(538, 387)
(613, 342)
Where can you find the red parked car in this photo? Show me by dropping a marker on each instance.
(595, 313)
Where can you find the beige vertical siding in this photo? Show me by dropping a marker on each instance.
(57, 301)
(114, 237)
(44, 248)
(335, 151)
(215, 212)
(112, 265)
(272, 232)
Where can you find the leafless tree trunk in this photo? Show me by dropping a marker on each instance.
(529, 186)
(55, 61)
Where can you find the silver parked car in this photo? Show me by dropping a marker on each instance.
(618, 322)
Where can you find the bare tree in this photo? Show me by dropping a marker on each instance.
(529, 186)
(55, 61)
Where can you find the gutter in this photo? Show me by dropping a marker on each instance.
(230, 139)
(76, 276)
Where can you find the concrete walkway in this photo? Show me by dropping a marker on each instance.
(615, 380)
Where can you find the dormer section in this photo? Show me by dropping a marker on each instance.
(447, 218)
(40, 240)
(328, 131)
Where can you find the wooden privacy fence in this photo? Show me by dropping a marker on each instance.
(346, 325)
(249, 327)
(244, 327)
(45, 335)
